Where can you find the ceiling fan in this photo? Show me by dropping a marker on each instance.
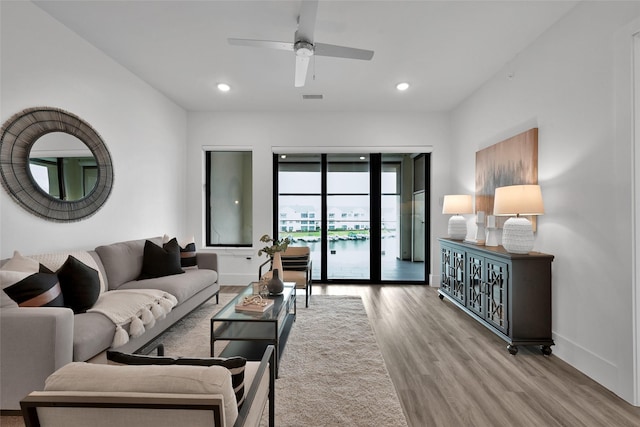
(303, 44)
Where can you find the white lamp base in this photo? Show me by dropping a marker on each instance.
(517, 235)
(457, 228)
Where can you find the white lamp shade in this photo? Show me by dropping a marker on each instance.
(518, 200)
(455, 204)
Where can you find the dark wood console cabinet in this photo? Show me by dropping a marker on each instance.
(508, 293)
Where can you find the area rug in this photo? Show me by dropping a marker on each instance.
(331, 371)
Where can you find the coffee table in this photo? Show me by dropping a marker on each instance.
(250, 333)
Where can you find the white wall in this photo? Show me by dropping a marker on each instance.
(262, 132)
(565, 84)
(45, 64)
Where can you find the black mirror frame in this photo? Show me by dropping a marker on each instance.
(19, 133)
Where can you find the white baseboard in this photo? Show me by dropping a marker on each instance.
(434, 280)
(600, 370)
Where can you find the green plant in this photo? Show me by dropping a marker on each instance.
(278, 245)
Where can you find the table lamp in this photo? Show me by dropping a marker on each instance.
(457, 204)
(517, 234)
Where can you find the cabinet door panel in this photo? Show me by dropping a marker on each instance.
(457, 283)
(475, 294)
(496, 286)
(446, 278)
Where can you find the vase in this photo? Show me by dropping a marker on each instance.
(275, 285)
(276, 262)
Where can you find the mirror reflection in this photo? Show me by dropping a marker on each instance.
(63, 166)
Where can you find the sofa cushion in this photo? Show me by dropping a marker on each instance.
(181, 286)
(36, 290)
(80, 285)
(122, 261)
(160, 261)
(236, 365)
(79, 376)
(92, 334)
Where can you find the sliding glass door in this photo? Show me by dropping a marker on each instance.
(348, 213)
(358, 213)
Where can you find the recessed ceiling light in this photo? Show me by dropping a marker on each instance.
(362, 157)
(402, 86)
(223, 87)
(283, 156)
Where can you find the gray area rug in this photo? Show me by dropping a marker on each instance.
(331, 373)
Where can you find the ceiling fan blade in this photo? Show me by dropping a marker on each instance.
(307, 20)
(302, 64)
(323, 49)
(261, 43)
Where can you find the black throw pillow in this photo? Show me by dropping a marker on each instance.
(160, 261)
(236, 365)
(37, 290)
(188, 256)
(80, 285)
(44, 269)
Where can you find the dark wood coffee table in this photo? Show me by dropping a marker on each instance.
(250, 333)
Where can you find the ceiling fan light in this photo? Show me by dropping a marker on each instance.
(223, 87)
(402, 86)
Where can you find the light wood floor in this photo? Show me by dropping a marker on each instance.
(449, 370)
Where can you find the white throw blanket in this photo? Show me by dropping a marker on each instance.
(137, 307)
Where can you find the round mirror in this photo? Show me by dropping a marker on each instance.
(63, 166)
(54, 164)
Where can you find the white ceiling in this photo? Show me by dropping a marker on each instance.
(445, 49)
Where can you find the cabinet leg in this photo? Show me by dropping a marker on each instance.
(440, 296)
(546, 350)
(513, 349)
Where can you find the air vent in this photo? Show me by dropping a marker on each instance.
(311, 96)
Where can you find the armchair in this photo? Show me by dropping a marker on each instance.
(296, 263)
(160, 395)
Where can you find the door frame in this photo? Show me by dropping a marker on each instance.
(373, 152)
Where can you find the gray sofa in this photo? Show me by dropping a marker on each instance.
(36, 341)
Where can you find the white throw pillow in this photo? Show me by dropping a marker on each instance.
(8, 278)
(21, 263)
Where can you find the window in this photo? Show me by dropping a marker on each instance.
(229, 198)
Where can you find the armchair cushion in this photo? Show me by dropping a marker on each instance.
(236, 366)
(174, 379)
(295, 262)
